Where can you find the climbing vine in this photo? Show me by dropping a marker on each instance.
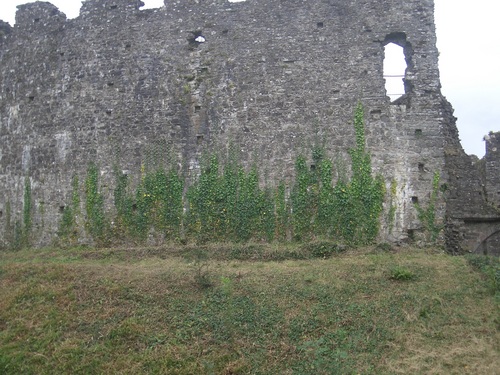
(349, 211)
(156, 207)
(94, 206)
(391, 215)
(303, 199)
(365, 192)
(427, 215)
(281, 213)
(228, 203)
(68, 228)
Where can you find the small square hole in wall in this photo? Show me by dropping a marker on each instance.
(114, 6)
(313, 167)
(411, 234)
(199, 139)
(1, 213)
(375, 114)
(418, 132)
(421, 167)
(37, 20)
(320, 24)
(414, 200)
(197, 108)
(61, 209)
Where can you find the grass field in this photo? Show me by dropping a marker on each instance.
(248, 309)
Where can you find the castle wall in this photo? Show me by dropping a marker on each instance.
(119, 85)
(492, 168)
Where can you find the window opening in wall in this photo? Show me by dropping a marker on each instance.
(394, 71)
(414, 200)
(61, 209)
(421, 167)
(152, 4)
(376, 113)
(196, 39)
(418, 132)
(320, 24)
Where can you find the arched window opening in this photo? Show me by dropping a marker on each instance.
(152, 4)
(394, 71)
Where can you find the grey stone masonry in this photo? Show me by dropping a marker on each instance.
(492, 168)
(270, 77)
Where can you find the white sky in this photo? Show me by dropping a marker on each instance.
(469, 46)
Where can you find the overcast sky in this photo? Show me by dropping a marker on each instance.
(469, 47)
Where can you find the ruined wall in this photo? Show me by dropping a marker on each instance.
(118, 85)
(491, 182)
(472, 211)
(492, 168)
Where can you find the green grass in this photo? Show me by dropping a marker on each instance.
(247, 309)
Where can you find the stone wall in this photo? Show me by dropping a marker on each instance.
(118, 85)
(492, 168)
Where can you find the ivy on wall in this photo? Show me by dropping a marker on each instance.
(349, 211)
(68, 226)
(96, 223)
(427, 215)
(391, 215)
(18, 234)
(227, 203)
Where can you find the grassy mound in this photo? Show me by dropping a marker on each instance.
(253, 309)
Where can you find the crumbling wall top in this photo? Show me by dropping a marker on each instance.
(108, 8)
(492, 144)
(39, 17)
